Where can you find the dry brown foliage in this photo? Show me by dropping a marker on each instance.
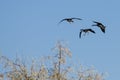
(16, 70)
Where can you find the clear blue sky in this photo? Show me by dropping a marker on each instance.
(29, 28)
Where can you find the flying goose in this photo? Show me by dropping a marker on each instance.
(70, 20)
(85, 31)
(100, 25)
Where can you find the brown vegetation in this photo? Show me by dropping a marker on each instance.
(16, 70)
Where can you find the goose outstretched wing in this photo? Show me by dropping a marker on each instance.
(80, 33)
(91, 30)
(77, 18)
(62, 20)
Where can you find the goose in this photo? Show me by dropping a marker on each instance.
(70, 20)
(85, 31)
(100, 25)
